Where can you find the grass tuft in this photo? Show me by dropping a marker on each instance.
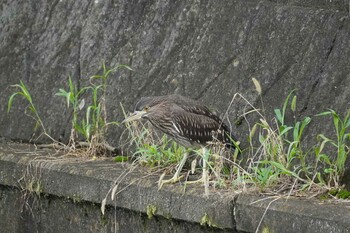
(89, 117)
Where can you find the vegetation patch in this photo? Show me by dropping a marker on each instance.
(207, 221)
(275, 162)
(89, 116)
(151, 210)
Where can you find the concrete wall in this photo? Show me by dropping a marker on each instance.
(208, 50)
(203, 49)
(43, 192)
(40, 191)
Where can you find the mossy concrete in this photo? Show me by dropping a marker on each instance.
(72, 189)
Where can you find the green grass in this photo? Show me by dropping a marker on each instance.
(280, 158)
(89, 116)
(151, 149)
(334, 166)
(276, 158)
(22, 91)
(279, 151)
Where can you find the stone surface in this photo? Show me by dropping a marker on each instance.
(274, 214)
(91, 181)
(206, 50)
(51, 214)
(41, 191)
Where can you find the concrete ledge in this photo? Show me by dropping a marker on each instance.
(290, 215)
(87, 183)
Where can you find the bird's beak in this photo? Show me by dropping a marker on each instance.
(137, 115)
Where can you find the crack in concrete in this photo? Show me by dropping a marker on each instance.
(321, 70)
(76, 77)
(342, 7)
(233, 204)
(216, 76)
(279, 76)
(231, 59)
(50, 13)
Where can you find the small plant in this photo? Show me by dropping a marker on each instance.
(265, 175)
(280, 153)
(334, 167)
(151, 211)
(97, 113)
(161, 153)
(92, 126)
(22, 90)
(73, 98)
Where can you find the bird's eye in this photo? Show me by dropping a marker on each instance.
(146, 108)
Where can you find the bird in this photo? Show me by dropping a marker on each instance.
(187, 121)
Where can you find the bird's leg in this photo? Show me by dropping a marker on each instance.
(205, 178)
(205, 171)
(176, 176)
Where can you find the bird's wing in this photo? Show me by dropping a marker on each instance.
(204, 111)
(194, 127)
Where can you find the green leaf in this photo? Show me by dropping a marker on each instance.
(324, 113)
(323, 143)
(125, 66)
(305, 122)
(285, 105)
(88, 112)
(285, 130)
(347, 122)
(120, 158)
(296, 131)
(9, 103)
(25, 92)
(328, 170)
(65, 94)
(72, 87)
(324, 158)
(32, 109)
(61, 92)
(279, 116)
(293, 105)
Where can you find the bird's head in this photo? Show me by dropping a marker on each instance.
(142, 108)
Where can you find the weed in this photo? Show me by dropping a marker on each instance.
(73, 97)
(120, 159)
(151, 210)
(156, 151)
(265, 175)
(35, 187)
(279, 152)
(334, 167)
(22, 90)
(93, 125)
(277, 159)
(207, 221)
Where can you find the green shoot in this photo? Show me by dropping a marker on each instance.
(335, 168)
(22, 90)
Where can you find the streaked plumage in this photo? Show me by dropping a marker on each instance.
(187, 121)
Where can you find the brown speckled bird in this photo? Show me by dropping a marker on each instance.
(187, 121)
